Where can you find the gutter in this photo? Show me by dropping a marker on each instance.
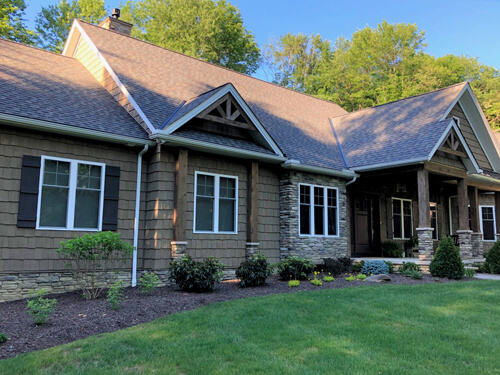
(295, 165)
(137, 212)
(53, 127)
(402, 163)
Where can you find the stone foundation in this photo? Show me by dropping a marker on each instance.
(465, 243)
(19, 286)
(425, 244)
(315, 248)
(178, 249)
(477, 245)
(251, 249)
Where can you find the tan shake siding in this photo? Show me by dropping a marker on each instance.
(89, 60)
(451, 161)
(470, 138)
(269, 206)
(31, 250)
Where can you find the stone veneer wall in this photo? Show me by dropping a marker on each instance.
(314, 248)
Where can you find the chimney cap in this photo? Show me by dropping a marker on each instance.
(115, 13)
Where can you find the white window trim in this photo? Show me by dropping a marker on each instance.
(215, 218)
(402, 218)
(70, 214)
(494, 221)
(437, 223)
(325, 211)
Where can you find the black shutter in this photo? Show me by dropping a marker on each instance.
(111, 197)
(28, 197)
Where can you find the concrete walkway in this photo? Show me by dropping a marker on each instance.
(486, 276)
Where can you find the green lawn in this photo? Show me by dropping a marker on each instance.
(426, 329)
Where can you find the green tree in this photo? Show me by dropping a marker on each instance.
(209, 30)
(54, 21)
(12, 26)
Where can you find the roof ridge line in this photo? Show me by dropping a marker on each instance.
(400, 100)
(217, 66)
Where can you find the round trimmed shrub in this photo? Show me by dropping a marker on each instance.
(254, 271)
(447, 261)
(375, 267)
(392, 249)
(493, 258)
(295, 268)
(191, 275)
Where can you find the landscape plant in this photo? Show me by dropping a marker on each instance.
(375, 267)
(409, 266)
(392, 249)
(148, 282)
(356, 267)
(350, 278)
(390, 265)
(295, 267)
(39, 307)
(315, 280)
(293, 283)
(337, 266)
(328, 278)
(115, 294)
(361, 277)
(191, 275)
(254, 271)
(91, 256)
(3, 337)
(493, 259)
(469, 273)
(447, 261)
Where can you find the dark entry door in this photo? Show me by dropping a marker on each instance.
(366, 225)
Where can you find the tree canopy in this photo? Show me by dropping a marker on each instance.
(376, 66)
(54, 21)
(12, 24)
(209, 30)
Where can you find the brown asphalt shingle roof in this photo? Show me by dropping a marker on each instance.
(160, 80)
(46, 86)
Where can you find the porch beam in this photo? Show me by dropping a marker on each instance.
(463, 204)
(483, 185)
(180, 200)
(444, 170)
(424, 214)
(474, 206)
(253, 203)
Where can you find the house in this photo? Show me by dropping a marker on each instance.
(184, 157)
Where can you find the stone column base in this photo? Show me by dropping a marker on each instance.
(477, 245)
(465, 243)
(178, 249)
(251, 248)
(425, 245)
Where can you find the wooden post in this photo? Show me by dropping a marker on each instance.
(180, 204)
(424, 214)
(463, 205)
(497, 210)
(253, 203)
(474, 207)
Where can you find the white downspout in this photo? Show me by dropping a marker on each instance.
(136, 216)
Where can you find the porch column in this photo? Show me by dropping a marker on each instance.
(464, 233)
(497, 213)
(424, 230)
(179, 244)
(252, 244)
(476, 236)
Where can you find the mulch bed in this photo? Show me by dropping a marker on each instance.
(77, 318)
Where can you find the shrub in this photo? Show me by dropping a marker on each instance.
(350, 278)
(196, 276)
(93, 254)
(493, 258)
(115, 295)
(469, 272)
(412, 242)
(3, 337)
(483, 268)
(392, 249)
(39, 307)
(149, 282)
(447, 261)
(375, 267)
(328, 279)
(356, 267)
(295, 268)
(361, 277)
(390, 265)
(294, 283)
(413, 274)
(337, 266)
(409, 266)
(254, 271)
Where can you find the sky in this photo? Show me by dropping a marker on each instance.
(468, 27)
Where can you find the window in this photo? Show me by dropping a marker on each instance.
(401, 218)
(488, 225)
(433, 209)
(216, 203)
(318, 213)
(70, 194)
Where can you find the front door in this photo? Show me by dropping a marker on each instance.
(366, 222)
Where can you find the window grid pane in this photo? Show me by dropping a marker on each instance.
(305, 209)
(488, 223)
(227, 204)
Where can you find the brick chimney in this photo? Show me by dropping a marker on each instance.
(113, 23)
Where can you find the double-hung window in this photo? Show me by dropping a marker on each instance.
(401, 218)
(488, 225)
(216, 203)
(70, 194)
(318, 211)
